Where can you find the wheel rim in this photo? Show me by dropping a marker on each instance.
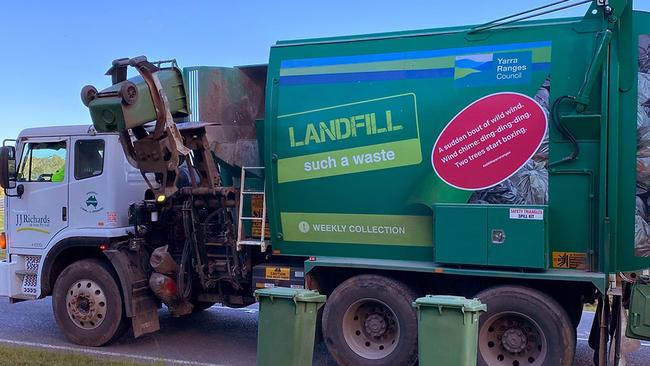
(86, 304)
(371, 329)
(512, 339)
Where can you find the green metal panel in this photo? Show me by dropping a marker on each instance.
(494, 235)
(524, 237)
(460, 234)
(381, 209)
(573, 190)
(405, 189)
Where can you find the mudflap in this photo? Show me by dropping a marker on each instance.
(139, 302)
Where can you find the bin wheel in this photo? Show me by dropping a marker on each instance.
(369, 320)
(129, 93)
(88, 94)
(88, 305)
(523, 326)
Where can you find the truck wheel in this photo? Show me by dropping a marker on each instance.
(523, 326)
(88, 304)
(369, 320)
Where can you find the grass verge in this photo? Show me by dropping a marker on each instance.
(20, 356)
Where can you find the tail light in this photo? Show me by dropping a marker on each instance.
(3, 240)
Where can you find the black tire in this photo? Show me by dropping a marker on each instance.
(386, 305)
(574, 308)
(113, 321)
(539, 330)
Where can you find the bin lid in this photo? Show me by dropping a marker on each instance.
(299, 295)
(446, 301)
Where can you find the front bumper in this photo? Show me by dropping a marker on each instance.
(7, 272)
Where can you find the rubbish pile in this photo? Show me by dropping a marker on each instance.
(642, 219)
(529, 185)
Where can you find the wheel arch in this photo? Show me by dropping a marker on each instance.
(132, 280)
(66, 252)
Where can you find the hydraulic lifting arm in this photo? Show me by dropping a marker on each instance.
(128, 107)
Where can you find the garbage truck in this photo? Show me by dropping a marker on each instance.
(506, 161)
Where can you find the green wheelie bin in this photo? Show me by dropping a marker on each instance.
(287, 326)
(638, 325)
(448, 330)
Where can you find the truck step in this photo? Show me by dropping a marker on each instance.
(260, 219)
(25, 272)
(24, 297)
(253, 192)
(252, 242)
(29, 284)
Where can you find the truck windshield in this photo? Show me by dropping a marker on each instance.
(43, 162)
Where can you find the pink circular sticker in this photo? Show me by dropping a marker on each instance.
(489, 140)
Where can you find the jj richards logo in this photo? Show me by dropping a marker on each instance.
(32, 220)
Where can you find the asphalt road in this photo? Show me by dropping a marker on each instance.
(218, 336)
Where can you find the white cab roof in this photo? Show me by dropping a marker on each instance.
(71, 130)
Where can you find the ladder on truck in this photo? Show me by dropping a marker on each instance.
(243, 192)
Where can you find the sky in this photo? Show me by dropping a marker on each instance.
(51, 49)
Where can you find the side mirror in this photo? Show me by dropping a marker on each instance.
(7, 167)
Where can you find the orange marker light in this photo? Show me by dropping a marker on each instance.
(3, 240)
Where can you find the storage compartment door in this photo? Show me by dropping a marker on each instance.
(517, 237)
(459, 234)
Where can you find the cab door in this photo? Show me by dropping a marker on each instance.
(41, 211)
(89, 188)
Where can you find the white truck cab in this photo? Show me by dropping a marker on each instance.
(71, 190)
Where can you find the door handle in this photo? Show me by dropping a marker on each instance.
(498, 236)
(64, 213)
